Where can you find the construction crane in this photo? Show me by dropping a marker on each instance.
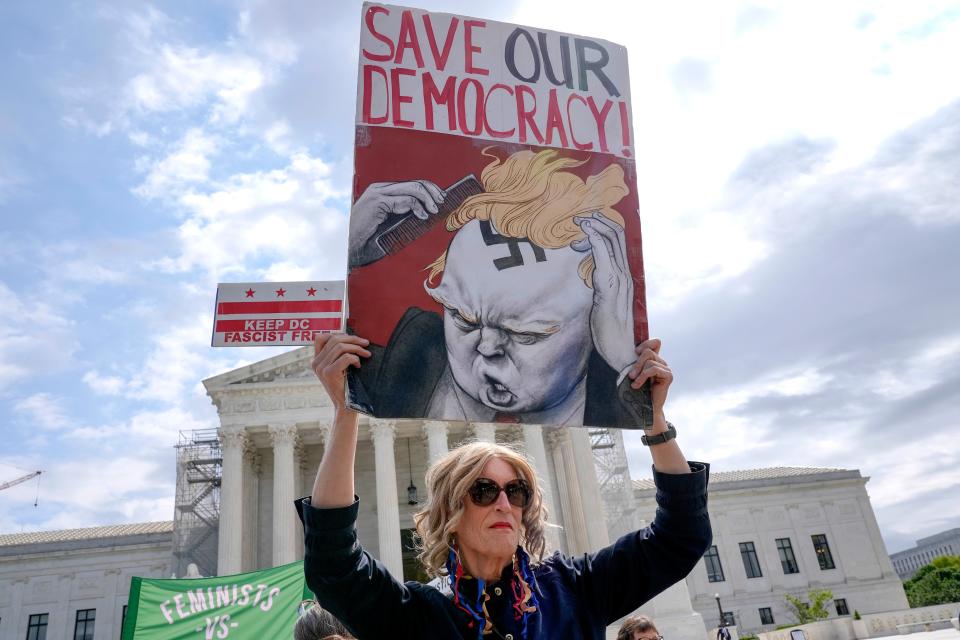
(16, 481)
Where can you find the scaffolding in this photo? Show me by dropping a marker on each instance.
(613, 475)
(197, 513)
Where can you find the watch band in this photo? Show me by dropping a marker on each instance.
(660, 438)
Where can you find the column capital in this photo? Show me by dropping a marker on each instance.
(556, 437)
(435, 428)
(232, 438)
(436, 436)
(324, 429)
(382, 431)
(484, 431)
(252, 456)
(283, 433)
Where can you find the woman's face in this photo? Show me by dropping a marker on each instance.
(490, 533)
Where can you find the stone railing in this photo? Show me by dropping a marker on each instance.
(873, 625)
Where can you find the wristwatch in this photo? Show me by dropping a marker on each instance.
(660, 438)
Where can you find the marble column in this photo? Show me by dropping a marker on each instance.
(436, 433)
(112, 620)
(571, 504)
(537, 452)
(484, 431)
(61, 616)
(252, 465)
(230, 545)
(19, 585)
(383, 433)
(593, 511)
(284, 438)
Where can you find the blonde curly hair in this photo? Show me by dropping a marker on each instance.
(447, 482)
(533, 195)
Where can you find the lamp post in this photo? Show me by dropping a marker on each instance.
(412, 497)
(720, 610)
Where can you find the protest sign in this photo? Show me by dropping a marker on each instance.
(245, 606)
(256, 314)
(495, 259)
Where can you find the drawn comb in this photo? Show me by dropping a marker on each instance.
(398, 231)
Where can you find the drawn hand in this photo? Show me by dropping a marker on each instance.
(611, 319)
(650, 366)
(382, 199)
(333, 353)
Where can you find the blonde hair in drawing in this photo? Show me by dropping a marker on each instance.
(532, 195)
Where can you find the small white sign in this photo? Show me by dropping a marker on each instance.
(257, 314)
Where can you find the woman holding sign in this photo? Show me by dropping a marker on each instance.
(483, 527)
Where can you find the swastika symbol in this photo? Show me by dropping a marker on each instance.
(515, 259)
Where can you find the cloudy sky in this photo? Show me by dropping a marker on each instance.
(798, 175)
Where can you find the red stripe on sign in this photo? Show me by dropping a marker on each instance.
(292, 306)
(279, 324)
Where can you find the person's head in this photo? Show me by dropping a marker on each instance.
(460, 514)
(316, 623)
(516, 280)
(638, 627)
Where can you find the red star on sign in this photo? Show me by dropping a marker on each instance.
(249, 293)
(280, 292)
(311, 291)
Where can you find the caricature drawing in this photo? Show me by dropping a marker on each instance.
(537, 297)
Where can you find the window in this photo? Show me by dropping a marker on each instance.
(823, 551)
(787, 560)
(712, 561)
(750, 563)
(83, 628)
(728, 619)
(841, 605)
(766, 615)
(123, 619)
(37, 627)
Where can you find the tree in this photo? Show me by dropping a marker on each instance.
(935, 583)
(813, 610)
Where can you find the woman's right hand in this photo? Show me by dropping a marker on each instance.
(333, 353)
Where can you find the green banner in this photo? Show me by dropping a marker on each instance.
(246, 606)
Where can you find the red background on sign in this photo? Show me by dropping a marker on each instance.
(379, 293)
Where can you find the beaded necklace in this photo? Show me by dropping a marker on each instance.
(525, 602)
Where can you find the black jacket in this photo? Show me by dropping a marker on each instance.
(579, 596)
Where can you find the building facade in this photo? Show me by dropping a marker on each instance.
(945, 543)
(787, 530)
(74, 583)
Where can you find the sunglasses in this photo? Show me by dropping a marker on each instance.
(485, 492)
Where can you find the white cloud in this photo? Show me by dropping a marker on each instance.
(916, 373)
(277, 137)
(176, 360)
(156, 429)
(44, 410)
(187, 164)
(100, 490)
(103, 385)
(282, 217)
(91, 272)
(183, 77)
(34, 338)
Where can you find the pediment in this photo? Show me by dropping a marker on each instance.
(286, 367)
